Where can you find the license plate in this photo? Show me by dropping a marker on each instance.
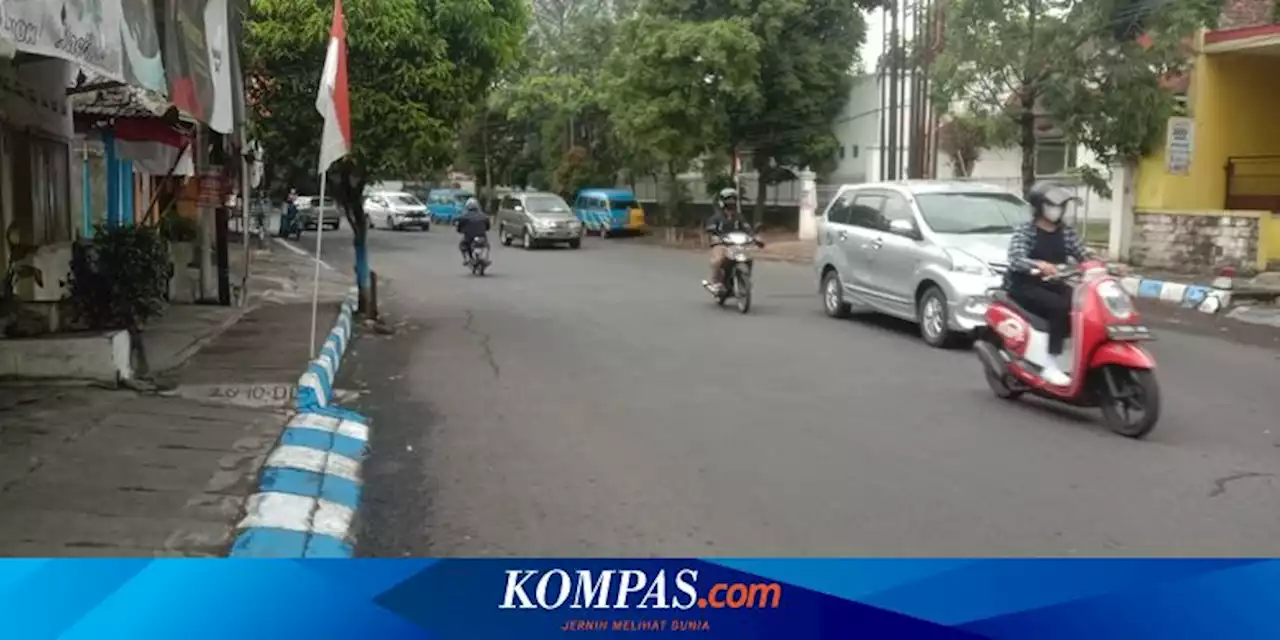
(1129, 332)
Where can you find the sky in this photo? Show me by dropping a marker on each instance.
(875, 40)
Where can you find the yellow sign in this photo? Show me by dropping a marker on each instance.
(637, 218)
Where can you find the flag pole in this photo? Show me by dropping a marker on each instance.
(315, 290)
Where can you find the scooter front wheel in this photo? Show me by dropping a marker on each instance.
(1130, 400)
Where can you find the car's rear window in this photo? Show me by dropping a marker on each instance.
(622, 203)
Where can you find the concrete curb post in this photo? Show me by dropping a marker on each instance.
(1191, 296)
(309, 492)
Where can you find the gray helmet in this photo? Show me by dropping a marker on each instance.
(471, 205)
(1045, 193)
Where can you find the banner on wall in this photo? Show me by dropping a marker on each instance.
(1179, 145)
(86, 32)
(143, 55)
(198, 60)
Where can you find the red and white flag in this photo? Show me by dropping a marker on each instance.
(332, 101)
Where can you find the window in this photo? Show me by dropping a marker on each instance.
(855, 150)
(838, 212)
(1054, 158)
(972, 212)
(866, 211)
(47, 189)
(546, 204)
(895, 207)
(510, 203)
(841, 152)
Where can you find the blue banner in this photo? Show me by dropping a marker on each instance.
(547, 598)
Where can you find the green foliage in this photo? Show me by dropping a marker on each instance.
(963, 137)
(415, 69)
(671, 91)
(805, 51)
(121, 279)
(1077, 67)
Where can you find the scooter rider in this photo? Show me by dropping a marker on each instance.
(472, 224)
(726, 220)
(1035, 251)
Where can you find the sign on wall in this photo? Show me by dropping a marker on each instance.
(1179, 145)
(86, 32)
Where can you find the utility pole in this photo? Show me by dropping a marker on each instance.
(892, 113)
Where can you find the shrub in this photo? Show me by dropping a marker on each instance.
(120, 279)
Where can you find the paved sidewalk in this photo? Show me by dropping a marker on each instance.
(96, 472)
(92, 472)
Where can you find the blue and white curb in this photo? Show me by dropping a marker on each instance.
(309, 491)
(1191, 296)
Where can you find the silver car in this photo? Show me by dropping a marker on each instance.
(537, 218)
(396, 210)
(926, 251)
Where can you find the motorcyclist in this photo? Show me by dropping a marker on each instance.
(472, 224)
(1036, 249)
(290, 216)
(726, 219)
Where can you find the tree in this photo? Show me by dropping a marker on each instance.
(807, 51)
(671, 90)
(964, 136)
(1055, 64)
(416, 69)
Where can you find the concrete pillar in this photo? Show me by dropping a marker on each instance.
(808, 205)
(1123, 181)
(113, 179)
(127, 184)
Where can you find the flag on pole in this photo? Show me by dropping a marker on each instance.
(332, 101)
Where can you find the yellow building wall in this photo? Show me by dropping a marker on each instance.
(1234, 100)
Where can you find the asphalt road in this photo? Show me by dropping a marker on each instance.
(596, 402)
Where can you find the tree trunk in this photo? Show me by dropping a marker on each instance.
(762, 187)
(673, 197)
(351, 191)
(1027, 128)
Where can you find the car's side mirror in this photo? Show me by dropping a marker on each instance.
(904, 228)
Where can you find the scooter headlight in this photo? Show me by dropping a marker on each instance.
(1114, 298)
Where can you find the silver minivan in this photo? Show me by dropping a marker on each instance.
(537, 218)
(926, 251)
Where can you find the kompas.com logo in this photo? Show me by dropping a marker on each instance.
(631, 589)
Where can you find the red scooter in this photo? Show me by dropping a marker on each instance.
(1109, 368)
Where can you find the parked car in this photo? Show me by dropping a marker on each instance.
(307, 210)
(395, 210)
(926, 251)
(537, 218)
(609, 211)
(446, 204)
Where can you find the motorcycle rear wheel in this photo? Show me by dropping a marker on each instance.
(1140, 391)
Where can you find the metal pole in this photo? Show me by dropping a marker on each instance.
(315, 291)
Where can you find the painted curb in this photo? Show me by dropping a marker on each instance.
(309, 491)
(1210, 300)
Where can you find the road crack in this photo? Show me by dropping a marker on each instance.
(1220, 484)
(484, 344)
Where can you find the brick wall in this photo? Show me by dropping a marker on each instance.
(1246, 13)
(1194, 242)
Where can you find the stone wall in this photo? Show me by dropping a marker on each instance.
(1194, 241)
(1246, 13)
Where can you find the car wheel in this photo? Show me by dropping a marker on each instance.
(934, 319)
(506, 237)
(528, 240)
(576, 243)
(833, 295)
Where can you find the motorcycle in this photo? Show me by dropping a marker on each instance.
(479, 258)
(736, 268)
(292, 228)
(1109, 368)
